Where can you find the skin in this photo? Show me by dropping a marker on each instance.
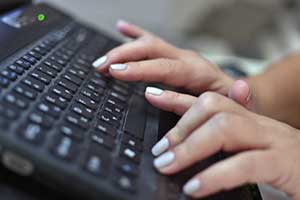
(231, 117)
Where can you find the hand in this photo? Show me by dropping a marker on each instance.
(150, 59)
(179, 103)
(215, 123)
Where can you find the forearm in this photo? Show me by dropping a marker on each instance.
(276, 93)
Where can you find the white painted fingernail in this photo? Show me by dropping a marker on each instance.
(118, 67)
(100, 61)
(191, 187)
(160, 147)
(122, 22)
(164, 160)
(154, 91)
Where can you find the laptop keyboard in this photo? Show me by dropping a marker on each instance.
(52, 99)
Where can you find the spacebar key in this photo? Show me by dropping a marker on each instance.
(136, 117)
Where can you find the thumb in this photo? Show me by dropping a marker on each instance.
(240, 92)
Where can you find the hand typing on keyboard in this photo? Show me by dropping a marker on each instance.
(266, 150)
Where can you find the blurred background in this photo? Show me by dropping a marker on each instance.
(242, 36)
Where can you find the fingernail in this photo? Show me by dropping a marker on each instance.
(191, 187)
(118, 67)
(154, 91)
(164, 160)
(160, 147)
(122, 22)
(100, 61)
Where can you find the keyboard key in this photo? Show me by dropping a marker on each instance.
(105, 128)
(74, 65)
(113, 109)
(32, 133)
(32, 60)
(67, 84)
(136, 118)
(62, 56)
(35, 55)
(81, 62)
(47, 70)
(102, 140)
(49, 109)
(65, 148)
(118, 96)
(26, 91)
(34, 84)
(57, 100)
(127, 167)
(93, 87)
(58, 60)
(78, 121)
(109, 118)
(132, 142)
(16, 100)
(45, 46)
(41, 76)
(9, 75)
(40, 50)
(26, 65)
(130, 154)
(77, 72)
(91, 94)
(97, 162)
(125, 183)
(72, 78)
(115, 102)
(87, 102)
(16, 68)
(72, 131)
(82, 110)
(4, 82)
(53, 65)
(98, 82)
(40, 119)
(62, 92)
(119, 89)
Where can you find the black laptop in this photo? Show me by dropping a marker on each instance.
(68, 127)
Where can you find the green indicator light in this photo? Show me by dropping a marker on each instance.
(41, 17)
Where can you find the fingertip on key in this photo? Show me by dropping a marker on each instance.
(100, 62)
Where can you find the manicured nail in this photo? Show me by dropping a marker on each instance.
(160, 147)
(191, 187)
(100, 61)
(154, 91)
(122, 22)
(118, 67)
(164, 160)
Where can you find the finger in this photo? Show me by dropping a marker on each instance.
(244, 168)
(166, 71)
(169, 101)
(207, 105)
(221, 133)
(146, 47)
(240, 92)
(130, 30)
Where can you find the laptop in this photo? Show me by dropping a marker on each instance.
(72, 129)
